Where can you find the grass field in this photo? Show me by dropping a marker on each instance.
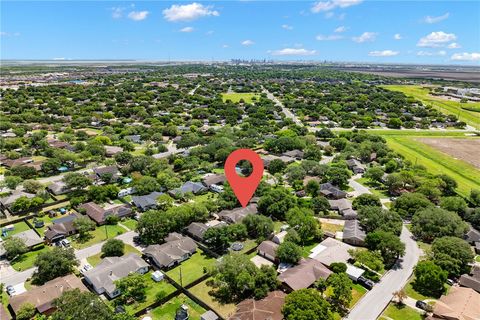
(436, 162)
(202, 290)
(26, 260)
(236, 97)
(168, 310)
(99, 235)
(192, 269)
(445, 106)
(401, 313)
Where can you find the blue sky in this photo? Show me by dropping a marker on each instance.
(437, 32)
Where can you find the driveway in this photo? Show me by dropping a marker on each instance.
(376, 300)
(126, 237)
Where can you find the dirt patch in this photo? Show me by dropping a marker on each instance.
(467, 150)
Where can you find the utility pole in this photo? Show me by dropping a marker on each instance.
(181, 279)
(106, 232)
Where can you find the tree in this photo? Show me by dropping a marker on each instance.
(14, 247)
(455, 204)
(123, 157)
(32, 186)
(113, 248)
(53, 263)
(258, 226)
(387, 243)
(276, 166)
(452, 255)
(164, 202)
(51, 165)
(321, 285)
(375, 218)
(132, 287)
(374, 174)
(26, 311)
(338, 176)
(276, 202)
(395, 123)
(12, 182)
(76, 181)
(371, 259)
(400, 295)
(429, 279)
(475, 197)
(78, 305)
(342, 289)
(306, 304)
(83, 225)
(320, 204)
(366, 200)
(312, 188)
(449, 185)
(217, 239)
(338, 267)
(289, 252)
(146, 185)
(409, 203)
(432, 223)
(303, 221)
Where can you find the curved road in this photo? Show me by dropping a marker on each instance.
(376, 300)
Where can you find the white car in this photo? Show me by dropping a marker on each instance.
(86, 268)
(65, 243)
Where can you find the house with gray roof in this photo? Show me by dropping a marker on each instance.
(332, 192)
(356, 166)
(189, 186)
(172, 252)
(58, 188)
(146, 202)
(102, 278)
(61, 228)
(237, 214)
(353, 233)
(7, 201)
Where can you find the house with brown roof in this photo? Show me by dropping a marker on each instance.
(471, 280)
(211, 179)
(7, 201)
(304, 274)
(331, 250)
(10, 163)
(268, 308)
(268, 250)
(237, 214)
(42, 297)
(459, 304)
(173, 252)
(353, 233)
(99, 214)
(61, 228)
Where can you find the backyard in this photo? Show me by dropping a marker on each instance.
(191, 269)
(26, 260)
(202, 291)
(96, 259)
(168, 310)
(100, 234)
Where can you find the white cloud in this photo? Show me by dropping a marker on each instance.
(117, 12)
(322, 6)
(138, 15)
(436, 39)
(287, 27)
(332, 37)
(384, 53)
(397, 36)
(210, 32)
(429, 19)
(225, 46)
(293, 52)
(9, 34)
(465, 56)
(188, 12)
(186, 29)
(430, 53)
(365, 37)
(247, 43)
(454, 45)
(341, 29)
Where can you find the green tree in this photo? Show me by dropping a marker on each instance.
(374, 174)
(429, 279)
(276, 166)
(304, 223)
(258, 226)
(217, 239)
(452, 255)
(371, 259)
(26, 311)
(321, 205)
(53, 263)
(366, 200)
(76, 181)
(306, 304)
(132, 287)
(276, 202)
(409, 203)
(375, 218)
(14, 247)
(312, 188)
(455, 204)
(338, 267)
(83, 225)
(475, 197)
(342, 289)
(387, 243)
(12, 182)
(32, 186)
(113, 248)
(289, 252)
(51, 165)
(74, 304)
(432, 223)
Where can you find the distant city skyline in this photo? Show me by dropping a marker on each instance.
(427, 32)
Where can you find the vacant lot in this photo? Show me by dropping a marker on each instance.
(464, 149)
(236, 97)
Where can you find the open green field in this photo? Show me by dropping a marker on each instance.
(401, 313)
(168, 310)
(236, 97)
(436, 162)
(445, 106)
(100, 234)
(192, 269)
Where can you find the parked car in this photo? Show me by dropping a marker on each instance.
(65, 243)
(85, 268)
(421, 305)
(451, 282)
(367, 283)
(10, 290)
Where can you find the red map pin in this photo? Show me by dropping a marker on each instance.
(244, 187)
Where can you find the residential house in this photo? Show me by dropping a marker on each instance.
(6, 202)
(172, 252)
(10, 163)
(99, 214)
(146, 202)
(331, 250)
(61, 228)
(58, 188)
(296, 154)
(459, 304)
(353, 233)
(344, 208)
(197, 230)
(356, 166)
(268, 250)
(268, 158)
(279, 237)
(304, 274)
(42, 297)
(135, 138)
(214, 179)
(471, 280)
(472, 236)
(111, 171)
(102, 277)
(189, 186)
(354, 272)
(332, 192)
(268, 308)
(29, 237)
(59, 144)
(237, 214)
(110, 151)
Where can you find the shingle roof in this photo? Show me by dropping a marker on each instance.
(331, 250)
(29, 237)
(208, 180)
(10, 199)
(170, 252)
(269, 308)
(238, 214)
(304, 274)
(268, 247)
(459, 304)
(353, 230)
(146, 201)
(197, 229)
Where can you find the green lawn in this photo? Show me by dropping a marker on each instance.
(96, 259)
(445, 106)
(209, 196)
(18, 227)
(235, 97)
(375, 189)
(277, 225)
(99, 235)
(477, 258)
(401, 313)
(47, 221)
(436, 162)
(154, 291)
(202, 290)
(192, 269)
(416, 295)
(331, 227)
(26, 260)
(130, 223)
(357, 292)
(168, 310)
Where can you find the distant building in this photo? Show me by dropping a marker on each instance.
(353, 233)
(189, 186)
(332, 192)
(146, 202)
(99, 214)
(268, 250)
(331, 250)
(60, 229)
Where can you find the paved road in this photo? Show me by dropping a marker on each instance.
(126, 237)
(375, 301)
(358, 189)
(287, 112)
(15, 277)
